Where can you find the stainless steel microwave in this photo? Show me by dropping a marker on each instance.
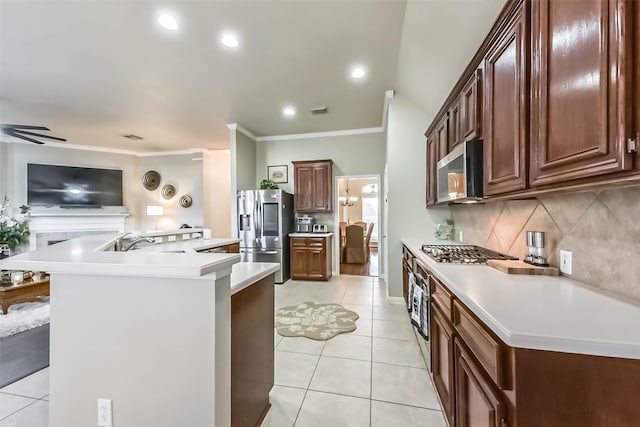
(459, 174)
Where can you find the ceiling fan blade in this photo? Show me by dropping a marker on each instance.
(24, 132)
(18, 127)
(17, 135)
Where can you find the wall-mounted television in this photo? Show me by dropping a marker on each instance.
(70, 186)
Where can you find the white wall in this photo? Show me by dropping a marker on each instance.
(217, 192)
(3, 170)
(246, 163)
(186, 175)
(18, 155)
(406, 192)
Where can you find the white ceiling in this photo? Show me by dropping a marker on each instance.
(94, 70)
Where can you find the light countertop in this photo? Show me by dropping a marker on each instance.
(191, 246)
(310, 234)
(542, 312)
(245, 274)
(84, 256)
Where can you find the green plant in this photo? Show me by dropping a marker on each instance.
(267, 184)
(14, 231)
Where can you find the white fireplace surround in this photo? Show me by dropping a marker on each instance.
(63, 226)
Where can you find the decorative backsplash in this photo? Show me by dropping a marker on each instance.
(601, 228)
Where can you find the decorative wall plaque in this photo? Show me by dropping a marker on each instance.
(186, 201)
(168, 191)
(151, 180)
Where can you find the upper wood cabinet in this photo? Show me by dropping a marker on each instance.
(636, 64)
(442, 136)
(432, 160)
(580, 89)
(455, 134)
(505, 107)
(313, 187)
(471, 108)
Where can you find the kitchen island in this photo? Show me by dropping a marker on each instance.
(149, 330)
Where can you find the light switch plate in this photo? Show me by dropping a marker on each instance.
(565, 262)
(104, 413)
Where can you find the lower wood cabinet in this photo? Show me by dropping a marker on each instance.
(311, 258)
(442, 361)
(478, 403)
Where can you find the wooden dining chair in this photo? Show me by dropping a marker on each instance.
(367, 240)
(361, 224)
(354, 250)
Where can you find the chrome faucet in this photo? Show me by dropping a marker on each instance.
(136, 241)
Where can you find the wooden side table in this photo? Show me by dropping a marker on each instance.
(29, 290)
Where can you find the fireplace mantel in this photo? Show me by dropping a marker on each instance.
(73, 224)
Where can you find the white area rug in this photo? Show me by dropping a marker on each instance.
(24, 316)
(316, 321)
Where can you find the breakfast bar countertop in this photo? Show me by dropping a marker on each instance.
(542, 312)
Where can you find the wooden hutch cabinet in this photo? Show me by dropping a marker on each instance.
(310, 258)
(579, 120)
(313, 186)
(505, 107)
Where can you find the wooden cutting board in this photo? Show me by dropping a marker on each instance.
(519, 267)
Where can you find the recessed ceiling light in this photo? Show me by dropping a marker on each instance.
(358, 73)
(229, 40)
(168, 22)
(289, 111)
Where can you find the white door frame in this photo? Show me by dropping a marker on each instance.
(336, 215)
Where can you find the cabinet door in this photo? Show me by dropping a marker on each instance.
(317, 258)
(322, 200)
(505, 109)
(636, 97)
(442, 135)
(455, 136)
(470, 108)
(303, 185)
(478, 404)
(299, 260)
(579, 115)
(432, 160)
(442, 361)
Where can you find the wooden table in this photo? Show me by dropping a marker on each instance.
(29, 290)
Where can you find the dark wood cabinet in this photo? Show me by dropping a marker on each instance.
(407, 269)
(478, 403)
(442, 137)
(505, 107)
(455, 135)
(442, 361)
(636, 97)
(432, 160)
(471, 108)
(311, 258)
(579, 111)
(313, 186)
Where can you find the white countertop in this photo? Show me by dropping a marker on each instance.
(191, 246)
(84, 256)
(310, 234)
(542, 312)
(245, 274)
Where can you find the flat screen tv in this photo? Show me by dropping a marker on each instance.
(68, 186)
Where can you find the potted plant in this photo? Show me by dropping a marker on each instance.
(267, 184)
(14, 230)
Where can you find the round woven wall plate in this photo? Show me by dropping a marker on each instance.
(151, 180)
(186, 201)
(168, 191)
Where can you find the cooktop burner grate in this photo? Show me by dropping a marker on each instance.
(462, 254)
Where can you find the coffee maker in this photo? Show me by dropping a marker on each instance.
(304, 224)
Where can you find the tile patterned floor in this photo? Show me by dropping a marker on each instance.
(373, 377)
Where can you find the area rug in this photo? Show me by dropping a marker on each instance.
(316, 321)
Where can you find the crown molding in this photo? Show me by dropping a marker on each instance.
(238, 128)
(320, 134)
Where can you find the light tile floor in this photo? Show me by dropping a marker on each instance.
(373, 377)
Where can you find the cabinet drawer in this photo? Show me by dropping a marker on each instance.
(489, 351)
(316, 241)
(441, 297)
(299, 242)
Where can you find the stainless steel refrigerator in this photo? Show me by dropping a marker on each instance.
(265, 219)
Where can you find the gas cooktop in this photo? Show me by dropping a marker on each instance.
(462, 254)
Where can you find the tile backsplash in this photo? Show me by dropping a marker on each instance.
(600, 227)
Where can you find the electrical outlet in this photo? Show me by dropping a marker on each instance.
(565, 262)
(171, 238)
(460, 236)
(104, 413)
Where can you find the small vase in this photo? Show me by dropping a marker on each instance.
(5, 252)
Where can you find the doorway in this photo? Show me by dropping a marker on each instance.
(358, 204)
